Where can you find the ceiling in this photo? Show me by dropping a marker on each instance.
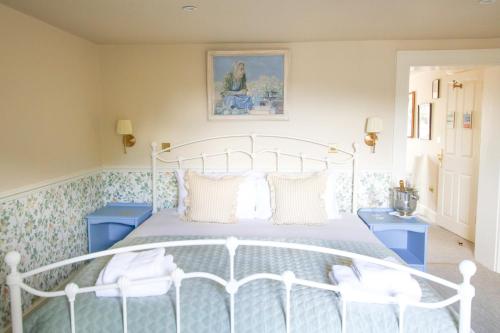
(161, 21)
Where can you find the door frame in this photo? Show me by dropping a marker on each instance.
(405, 60)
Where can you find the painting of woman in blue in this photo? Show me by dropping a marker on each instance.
(235, 90)
(246, 86)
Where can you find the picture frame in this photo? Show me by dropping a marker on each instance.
(435, 88)
(450, 119)
(247, 84)
(425, 121)
(467, 120)
(410, 129)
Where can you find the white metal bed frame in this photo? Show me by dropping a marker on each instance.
(15, 280)
(253, 154)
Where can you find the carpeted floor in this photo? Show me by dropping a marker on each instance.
(446, 250)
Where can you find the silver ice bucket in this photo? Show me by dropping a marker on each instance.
(404, 200)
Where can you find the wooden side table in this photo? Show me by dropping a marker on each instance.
(405, 236)
(113, 222)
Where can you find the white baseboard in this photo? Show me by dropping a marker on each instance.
(428, 214)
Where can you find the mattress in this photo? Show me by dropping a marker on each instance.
(168, 223)
(259, 304)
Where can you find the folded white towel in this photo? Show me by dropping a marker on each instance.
(391, 283)
(135, 266)
(345, 278)
(373, 273)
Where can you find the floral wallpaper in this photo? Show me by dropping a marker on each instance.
(48, 225)
(135, 186)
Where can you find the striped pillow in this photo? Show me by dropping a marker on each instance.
(211, 199)
(298, 200)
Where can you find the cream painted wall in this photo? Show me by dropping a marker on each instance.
(334, 87)
(488, 208)
(50, 101)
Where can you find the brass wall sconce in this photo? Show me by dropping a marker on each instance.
(124, 128)
(374, 125)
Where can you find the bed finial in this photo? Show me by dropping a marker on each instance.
(355, 147)
(14, 280)
(468, 269)
(154, 146)
(466, 292)
(13, 259)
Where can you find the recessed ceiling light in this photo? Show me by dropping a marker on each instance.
(189, 8)
(487, 2)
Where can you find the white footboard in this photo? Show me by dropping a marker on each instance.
(464, 295)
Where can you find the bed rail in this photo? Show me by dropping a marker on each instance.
(15, 281)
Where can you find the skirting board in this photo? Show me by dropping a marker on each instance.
(428, 214)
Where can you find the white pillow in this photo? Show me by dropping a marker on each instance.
(211, 199)
(263, 200)
(245, 208)
(298, 200)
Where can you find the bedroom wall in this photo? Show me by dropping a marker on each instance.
(50, 100)
(333, 88)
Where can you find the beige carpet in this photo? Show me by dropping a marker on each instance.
(444, 254)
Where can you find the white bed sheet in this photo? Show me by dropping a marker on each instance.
(168, 223)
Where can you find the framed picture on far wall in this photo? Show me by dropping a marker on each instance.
(424, 121)
(435, 89)
(247, 85)
(410, 129)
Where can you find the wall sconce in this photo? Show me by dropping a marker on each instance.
(124, 127)
(374, 125)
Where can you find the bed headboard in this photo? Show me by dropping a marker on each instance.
(254, 147)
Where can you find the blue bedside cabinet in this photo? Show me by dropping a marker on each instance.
(405, 236)
(113, 222)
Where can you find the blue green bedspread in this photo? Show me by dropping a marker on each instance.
(259, 304)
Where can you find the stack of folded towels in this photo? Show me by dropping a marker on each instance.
(137, 266)
(368, 280)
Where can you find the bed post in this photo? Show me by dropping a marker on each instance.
(354, 199)
(466, 292)
(14, 281)
(154, 175)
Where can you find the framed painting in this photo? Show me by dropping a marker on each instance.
(247, 85)
(435, 88)
(410, 129)
(424, 121)
(467, 119)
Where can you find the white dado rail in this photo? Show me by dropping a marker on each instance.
(15, 281)
(326, 160)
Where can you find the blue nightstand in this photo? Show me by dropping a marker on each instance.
(112, 223)
(405, 236)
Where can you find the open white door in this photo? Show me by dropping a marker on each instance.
(457, 195)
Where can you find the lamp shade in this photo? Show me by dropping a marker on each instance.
(124, 127)
(374, 125)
